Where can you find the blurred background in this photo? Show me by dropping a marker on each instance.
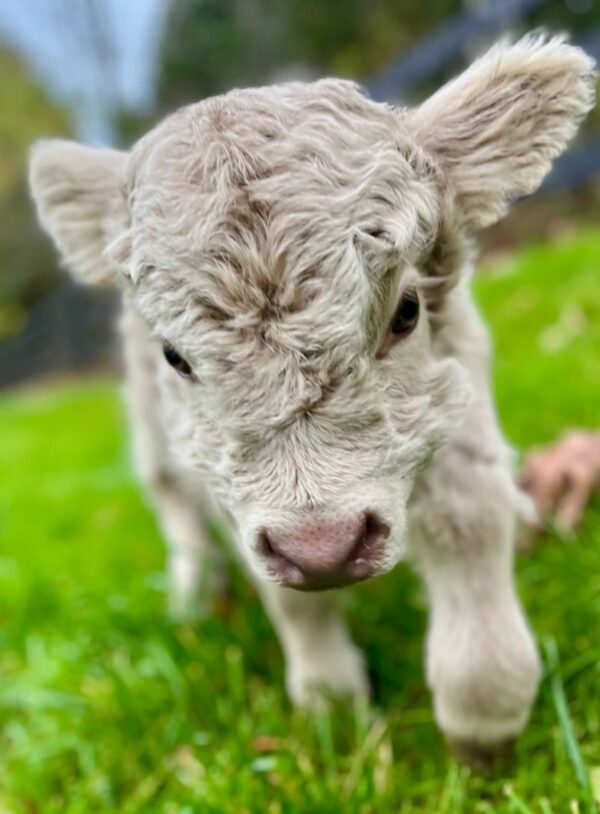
(103, 71)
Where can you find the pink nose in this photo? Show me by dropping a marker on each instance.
(325, 552)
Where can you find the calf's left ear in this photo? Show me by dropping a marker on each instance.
(78, 192)
(496, 128)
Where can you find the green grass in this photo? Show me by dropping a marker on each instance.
(106, 706)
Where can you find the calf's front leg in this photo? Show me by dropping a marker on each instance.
(320, 656)
(482, 663)
(196, 570)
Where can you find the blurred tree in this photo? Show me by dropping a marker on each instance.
(213, 45)
(575, 16)
(28, 267)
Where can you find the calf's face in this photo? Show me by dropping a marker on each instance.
(284, 246)
(275, 249)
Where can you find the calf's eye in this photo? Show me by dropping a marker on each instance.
(403, 322)
(177, 362)
(406, 316)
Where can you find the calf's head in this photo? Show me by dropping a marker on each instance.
(291, 249)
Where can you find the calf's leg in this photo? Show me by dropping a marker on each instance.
(482, 663)
(195, 564)
(320, 655)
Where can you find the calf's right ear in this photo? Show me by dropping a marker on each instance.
(497, 127)
(78, 193)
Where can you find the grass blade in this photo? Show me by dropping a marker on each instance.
(566, 724)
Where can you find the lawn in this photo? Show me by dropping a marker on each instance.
(106, 706)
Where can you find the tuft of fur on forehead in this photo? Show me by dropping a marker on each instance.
(245, 202)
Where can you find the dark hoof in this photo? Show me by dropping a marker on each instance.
(484, 758)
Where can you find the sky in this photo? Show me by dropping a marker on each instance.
(94, 55)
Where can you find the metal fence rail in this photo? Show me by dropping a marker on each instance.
(68, 330)
(448, 42)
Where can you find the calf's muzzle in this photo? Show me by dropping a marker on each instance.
(324, 552)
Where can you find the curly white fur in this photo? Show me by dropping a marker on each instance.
(265, 235)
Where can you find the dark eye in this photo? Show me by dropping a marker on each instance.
(177, 362)
(404, 322)
(406, 316)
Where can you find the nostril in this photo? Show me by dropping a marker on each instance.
(369, 549)
(264, 545)
(279, 566)
(375, 528)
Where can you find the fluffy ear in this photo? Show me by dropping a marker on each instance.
(497, 127)
(78, 192)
